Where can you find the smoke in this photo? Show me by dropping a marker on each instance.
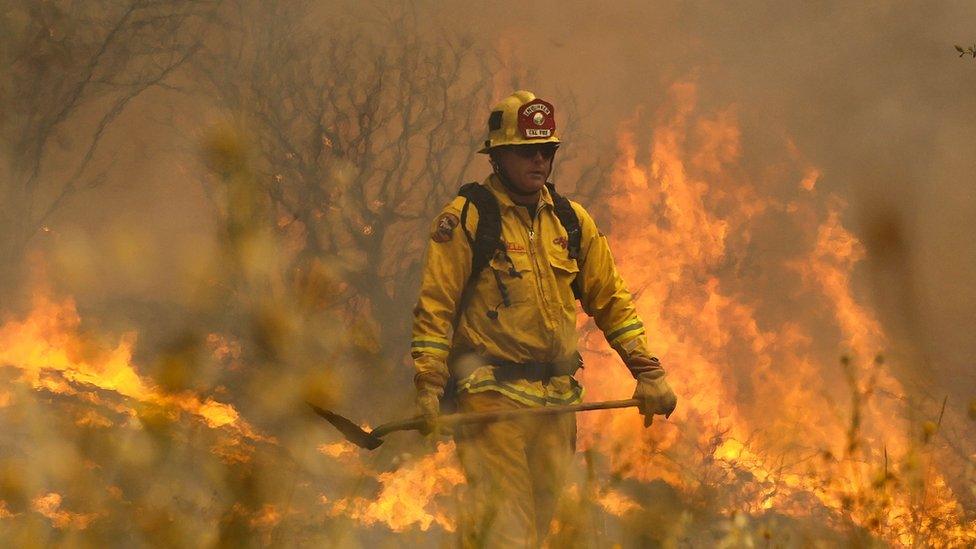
(873, 96)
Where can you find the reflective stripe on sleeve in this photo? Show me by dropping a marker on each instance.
(433, 347)
(628, 329)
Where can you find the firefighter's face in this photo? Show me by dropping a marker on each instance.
(527, 166)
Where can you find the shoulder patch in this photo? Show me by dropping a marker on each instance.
(444, 227)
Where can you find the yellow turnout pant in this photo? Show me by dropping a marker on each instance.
(516, 470)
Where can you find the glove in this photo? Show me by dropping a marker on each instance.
(430, 387)
(652, 390)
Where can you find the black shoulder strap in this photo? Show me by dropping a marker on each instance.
(570, 221)
(487, 237)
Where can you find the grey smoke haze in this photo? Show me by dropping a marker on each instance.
(873, 95)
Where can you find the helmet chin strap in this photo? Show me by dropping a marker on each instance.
(503, 177)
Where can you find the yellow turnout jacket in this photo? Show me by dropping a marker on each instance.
(539, 325)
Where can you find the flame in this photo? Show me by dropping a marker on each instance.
(769, 418)
(616, 503)
(338, 449)
(765, 414)
(226, 350)
(409, 497)
(91, 418)
(810, 179)
(49, 506)
(265, 518)
(51, 354)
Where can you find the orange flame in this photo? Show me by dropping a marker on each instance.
(760, 398)
(767, 419)
(338, 449)
(409, 497)
(50, 353)
(617, 503)
(49, 506)
(265, 518)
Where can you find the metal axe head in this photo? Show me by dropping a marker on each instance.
(353, 433)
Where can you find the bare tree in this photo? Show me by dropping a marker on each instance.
(363, 129)
(362, 132)
(71, 69)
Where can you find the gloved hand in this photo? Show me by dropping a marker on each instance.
(430, 387)
(652, 390)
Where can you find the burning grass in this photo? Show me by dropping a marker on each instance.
(744, 276)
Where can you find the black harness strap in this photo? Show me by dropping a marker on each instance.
(488, 236)
(487, 239)
(570, 221)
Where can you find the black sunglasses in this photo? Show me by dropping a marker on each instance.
(548, 150)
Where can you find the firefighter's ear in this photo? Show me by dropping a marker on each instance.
(493, 160)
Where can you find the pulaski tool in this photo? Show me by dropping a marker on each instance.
(372, 439)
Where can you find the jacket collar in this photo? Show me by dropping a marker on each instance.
(498, 189)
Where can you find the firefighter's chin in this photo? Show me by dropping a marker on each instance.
(531, 182)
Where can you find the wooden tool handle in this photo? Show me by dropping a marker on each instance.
(502, 415)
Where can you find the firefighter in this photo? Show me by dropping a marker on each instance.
(496, 316)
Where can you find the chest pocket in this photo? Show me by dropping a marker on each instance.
(565, 271)
(512, 274)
